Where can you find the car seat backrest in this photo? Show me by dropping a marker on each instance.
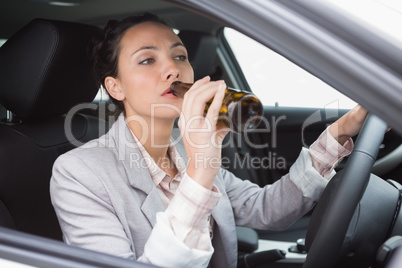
(44, 72)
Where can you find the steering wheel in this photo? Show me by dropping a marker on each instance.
(329, 237)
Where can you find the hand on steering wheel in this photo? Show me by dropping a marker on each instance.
(330, 233)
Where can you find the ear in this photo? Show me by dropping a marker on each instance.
(113, 87)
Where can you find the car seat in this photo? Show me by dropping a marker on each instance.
(44, 72)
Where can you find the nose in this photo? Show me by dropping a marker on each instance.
(173, 76)
(171, 71)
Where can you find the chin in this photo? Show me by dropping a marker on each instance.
(164, 110)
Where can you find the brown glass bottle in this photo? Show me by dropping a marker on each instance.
(240, 111)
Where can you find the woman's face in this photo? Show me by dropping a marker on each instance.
(151, 57)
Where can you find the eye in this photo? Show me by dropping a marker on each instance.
(181, 58)
(147, 61)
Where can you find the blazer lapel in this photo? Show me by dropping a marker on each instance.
(224, 240)
(137, 173)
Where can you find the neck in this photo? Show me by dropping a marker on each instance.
(153, 135)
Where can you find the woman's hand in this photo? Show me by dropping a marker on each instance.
(348, 125)
(202, 139)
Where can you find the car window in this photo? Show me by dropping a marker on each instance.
(279, 82)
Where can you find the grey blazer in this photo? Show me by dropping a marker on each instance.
(106, 200)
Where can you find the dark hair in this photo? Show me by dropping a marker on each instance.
(106, 48)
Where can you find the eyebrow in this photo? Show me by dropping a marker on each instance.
(177, 44)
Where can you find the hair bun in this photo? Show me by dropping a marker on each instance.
(110, 27)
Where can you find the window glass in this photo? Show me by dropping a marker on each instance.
(277, 81)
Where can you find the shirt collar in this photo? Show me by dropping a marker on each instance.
(156, 173)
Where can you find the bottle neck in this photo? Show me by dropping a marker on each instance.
(179, 88)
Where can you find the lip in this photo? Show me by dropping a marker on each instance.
(166, 91)
(167, 94)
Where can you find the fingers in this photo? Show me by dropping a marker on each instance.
(215, 107)
(201, 138)
(199, 94)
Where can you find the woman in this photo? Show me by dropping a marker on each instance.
(138, 194)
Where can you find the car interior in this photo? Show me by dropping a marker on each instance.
(48, 106)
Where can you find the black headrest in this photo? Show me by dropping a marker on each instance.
(45, 69)
(201, 48)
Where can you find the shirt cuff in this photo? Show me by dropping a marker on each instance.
(192, 203)
(307, 178)
(326, 152)
(164, 249)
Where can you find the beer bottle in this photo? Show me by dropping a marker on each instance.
(240, 111)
